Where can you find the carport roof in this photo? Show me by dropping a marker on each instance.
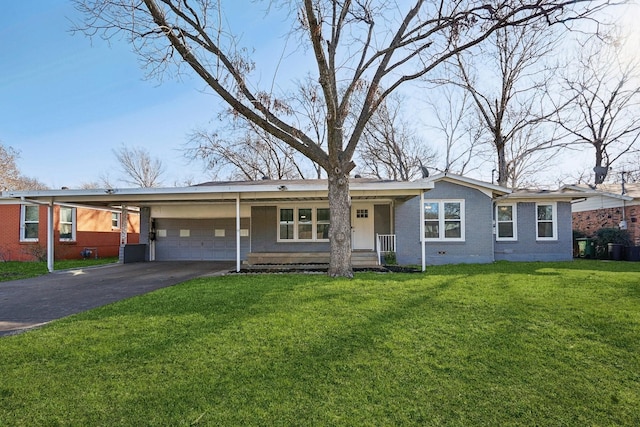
(263, 190)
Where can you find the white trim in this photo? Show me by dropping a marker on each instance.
(442, 220)
(514, 221)
(118, 217)
(227, 191)
(314, 221)
(50, 244)
(484, 187)
(554, 221)
(422, 242)
(73, 224)
(23, 223)
(238, 232)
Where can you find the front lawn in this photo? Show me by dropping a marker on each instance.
(501, 344)
(14, 270)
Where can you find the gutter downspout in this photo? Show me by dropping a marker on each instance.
(494, 227)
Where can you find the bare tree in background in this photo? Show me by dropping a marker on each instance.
(604, 96)
(139, 167)
(507, 79)
(456, 122)
(104, 181)
(10, 176)
(370, 46)
(243, 150)
(389, 148)
(630, 165)
(528, 158)
(250, 155)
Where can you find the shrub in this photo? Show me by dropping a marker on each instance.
(390, 258)
(604, 236)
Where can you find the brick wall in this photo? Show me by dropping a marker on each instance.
(591, 221)
(93, 229)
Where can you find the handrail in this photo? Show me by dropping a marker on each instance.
(385, 243)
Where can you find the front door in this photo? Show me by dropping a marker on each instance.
(362, 226)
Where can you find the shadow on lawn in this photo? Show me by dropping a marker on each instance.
(536, 267)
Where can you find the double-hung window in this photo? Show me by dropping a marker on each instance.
(322, 223)
(29, 223)
(286, 224)
(303, 223)
(67, 224)
(546, 221)
(506, 222)
(115, 220)
(444, 220)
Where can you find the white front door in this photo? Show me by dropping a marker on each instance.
(362, 226)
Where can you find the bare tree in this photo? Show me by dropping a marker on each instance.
(243, 150)
(507, 79)
(528, 158)
(604, 96)
(373, 46)
(103, 181)
(390, 147)
(139, 167)
(10, 176)
(630, 167)
(456, 122)
(251, 155)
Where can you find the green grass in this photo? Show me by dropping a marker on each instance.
(14, 270)
(553, 344)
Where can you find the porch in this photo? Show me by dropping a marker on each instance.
(362, 258)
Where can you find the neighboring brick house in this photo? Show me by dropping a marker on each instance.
(23, 231)
(608, 208)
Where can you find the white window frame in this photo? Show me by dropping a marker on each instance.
(442, 220)
(314, 222)
(115, 220)
(514, 221)
(554, 221)
(24, 222)
(73, 224)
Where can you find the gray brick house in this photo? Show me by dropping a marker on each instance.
(438, 220)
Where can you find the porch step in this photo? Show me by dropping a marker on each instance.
(364, 258)
(358, 258)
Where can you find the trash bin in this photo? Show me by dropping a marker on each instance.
(615, 251)
(632, 253)
(586, 248)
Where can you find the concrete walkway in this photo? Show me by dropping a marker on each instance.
(29, 303)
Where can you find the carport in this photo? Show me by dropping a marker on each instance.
(172, 219)
(210, 197)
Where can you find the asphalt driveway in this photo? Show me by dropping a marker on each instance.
(28, 303)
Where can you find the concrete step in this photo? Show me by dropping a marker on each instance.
(358, 258)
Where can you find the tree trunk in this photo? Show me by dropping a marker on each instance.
(600, 171)
(340, 229)
(502, 162)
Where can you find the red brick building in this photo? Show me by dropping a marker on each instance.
(610, 208)
(23, 231)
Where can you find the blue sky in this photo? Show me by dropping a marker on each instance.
(66, 102)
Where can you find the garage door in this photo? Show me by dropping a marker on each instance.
(199, 239)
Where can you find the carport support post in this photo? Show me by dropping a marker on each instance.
(124, 222)
(50, 254)
(422, 242)
(238, 233)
